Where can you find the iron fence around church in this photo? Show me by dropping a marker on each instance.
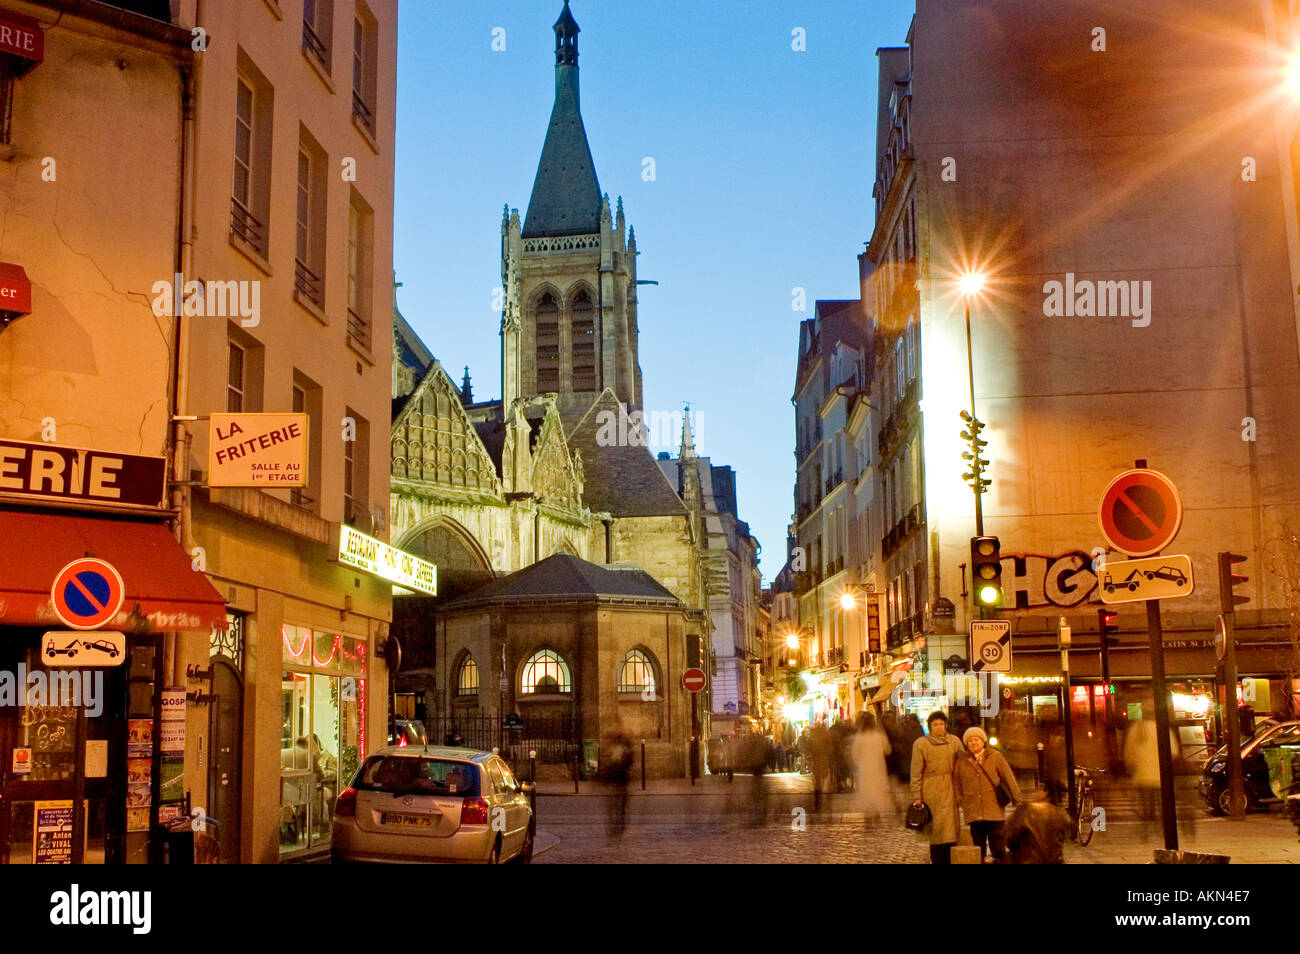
(553, 737)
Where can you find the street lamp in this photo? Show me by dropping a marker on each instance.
(848, 601)
(970, 284)
(1067, 712)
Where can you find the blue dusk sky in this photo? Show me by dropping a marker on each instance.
(764, 160)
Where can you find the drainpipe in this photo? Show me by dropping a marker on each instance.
(609, 544)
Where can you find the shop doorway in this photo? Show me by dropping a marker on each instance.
(225, 729)
(62, 759)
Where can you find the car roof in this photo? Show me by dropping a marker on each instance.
(435, 751)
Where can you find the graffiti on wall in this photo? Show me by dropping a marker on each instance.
(1063, 580)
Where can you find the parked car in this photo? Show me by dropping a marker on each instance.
(424, 803)
(1213, 786)
(407, 732)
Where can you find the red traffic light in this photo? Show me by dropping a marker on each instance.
(1106, 623)
(1228, 581)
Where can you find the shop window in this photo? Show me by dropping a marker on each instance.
(322, 729)
(545, 673)
(637, 673)
(467, 677)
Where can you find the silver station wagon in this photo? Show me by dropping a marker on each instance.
(422, 803)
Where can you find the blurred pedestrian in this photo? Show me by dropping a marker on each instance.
(1035, 835)
(840, 733)
(869, 748)
(985, 786)
(820, 754)
(618, 771)
(934, 759)
(1142, 759)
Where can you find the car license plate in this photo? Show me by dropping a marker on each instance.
(403, 820)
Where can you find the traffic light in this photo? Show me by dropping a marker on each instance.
(1229, 599)
(1106, 624)
(986, 570)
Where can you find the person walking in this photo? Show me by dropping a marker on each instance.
(869, 748)
(619, 771)
(934, 759)
(820, 755)
(980, 776)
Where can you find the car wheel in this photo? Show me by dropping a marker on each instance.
(494, 857)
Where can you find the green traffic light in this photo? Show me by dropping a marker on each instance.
(988, 595)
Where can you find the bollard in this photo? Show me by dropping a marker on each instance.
(1042, 772)
(575, 773)
(643, 765)
(532, 777)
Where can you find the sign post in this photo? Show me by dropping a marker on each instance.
(1140, 514)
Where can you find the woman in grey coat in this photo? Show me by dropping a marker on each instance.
(934, 759)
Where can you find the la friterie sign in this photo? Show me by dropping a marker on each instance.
(258, 450)
(355, 549)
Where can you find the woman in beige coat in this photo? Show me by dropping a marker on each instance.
(934, 759)
(979, 773)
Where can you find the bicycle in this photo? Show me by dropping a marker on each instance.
(1085, 801)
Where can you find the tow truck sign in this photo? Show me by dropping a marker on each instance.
(1155, 578)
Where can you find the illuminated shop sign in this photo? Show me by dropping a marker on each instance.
(355, 549)
(21, 36)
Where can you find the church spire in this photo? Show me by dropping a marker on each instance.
(688, 438)
(566, 194)
(466, 391)
(566, 37)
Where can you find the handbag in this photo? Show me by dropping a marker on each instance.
(999, 788)
(918, 816)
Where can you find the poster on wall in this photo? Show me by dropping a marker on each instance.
(52, 833)
(172, 788)
(139, 738)
(139, 776)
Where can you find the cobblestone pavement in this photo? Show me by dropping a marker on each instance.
(719, 843)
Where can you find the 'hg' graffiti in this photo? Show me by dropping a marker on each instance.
(962, 689)
(1064, 580)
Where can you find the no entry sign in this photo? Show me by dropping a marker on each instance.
(87, 593)
(1140, 512)
(693, 680)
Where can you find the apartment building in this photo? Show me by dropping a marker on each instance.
(293, 132)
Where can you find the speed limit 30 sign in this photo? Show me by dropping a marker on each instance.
(990, 645)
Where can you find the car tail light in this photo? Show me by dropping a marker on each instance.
(401, 743)
(347, 803)
(474, 811)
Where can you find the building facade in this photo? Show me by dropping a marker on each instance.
(1119, 322)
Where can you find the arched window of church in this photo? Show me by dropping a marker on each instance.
(548, 343)
(467, 677)
(545, 673)
(583, 322)
(637, 673)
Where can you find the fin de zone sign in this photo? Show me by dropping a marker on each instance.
(258, 450)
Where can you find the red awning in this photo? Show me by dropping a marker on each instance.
(15, 292)
(155, 571)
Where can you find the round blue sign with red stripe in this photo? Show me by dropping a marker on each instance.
(87, 593)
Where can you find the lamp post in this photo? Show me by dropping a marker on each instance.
(970, 285)
(1066, 711)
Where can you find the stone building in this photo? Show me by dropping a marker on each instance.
(560, 463)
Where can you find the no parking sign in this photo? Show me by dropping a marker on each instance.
(87, 593)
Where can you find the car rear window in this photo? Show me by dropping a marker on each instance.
(411, 775)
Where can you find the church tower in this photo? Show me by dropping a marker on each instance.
(569, 274)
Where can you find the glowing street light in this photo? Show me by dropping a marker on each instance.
(848, 601)
(971, 283)
(1291, 75)
(792, 640)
